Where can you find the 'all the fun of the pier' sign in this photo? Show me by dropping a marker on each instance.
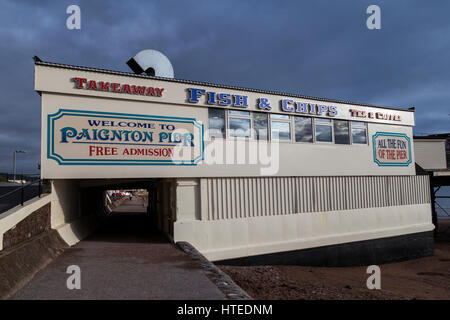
(78, 137)
(391, 149)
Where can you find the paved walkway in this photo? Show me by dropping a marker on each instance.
(134, 205)
(123, 261)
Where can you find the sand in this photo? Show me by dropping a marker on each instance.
(424, 278)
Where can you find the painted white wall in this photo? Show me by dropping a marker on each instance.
(292, 159)
(227, 239)
(65, 202)
(72, 222)
(233, 234)
(187, 199)
(430, 153)
(289, 158)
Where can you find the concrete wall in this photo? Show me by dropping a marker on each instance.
(65, 202)
(12, 218)
(430, 153)
(76, 212)
(27, 243)
(229, 232)
(227, 239)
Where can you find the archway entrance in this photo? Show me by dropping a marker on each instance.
(118, 209)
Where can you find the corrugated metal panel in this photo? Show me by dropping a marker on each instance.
(231, 198)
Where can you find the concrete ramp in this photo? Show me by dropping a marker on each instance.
(123, 260)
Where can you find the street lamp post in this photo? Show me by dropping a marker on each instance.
(14, 163)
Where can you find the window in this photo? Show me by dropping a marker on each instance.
(324, 130)
(216, 122)
(239, 127)
(303, 129)
(238, 113)
(341, 132)
(280, 127)
(239, 124)
(359, 132)
(260, 124)
(246, 124)
(279, 116)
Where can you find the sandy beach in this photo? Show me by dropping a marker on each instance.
(424, 278)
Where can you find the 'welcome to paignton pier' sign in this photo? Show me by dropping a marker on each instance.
(77, 137)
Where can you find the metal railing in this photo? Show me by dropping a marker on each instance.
(442, 209)
(22, 193)
(27, 177)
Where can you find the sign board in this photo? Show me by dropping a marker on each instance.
(85, 82)
(391, 149)
(78, 137)
(99, 124)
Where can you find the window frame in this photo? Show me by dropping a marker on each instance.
(331, 124)
(312, 129)
(253, 129)
(225, 123)
(238, 116)
(289, 121)
(364, 125)
(349, 132)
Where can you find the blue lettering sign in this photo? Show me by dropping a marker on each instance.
(264, 104)
(195, 94)
(285, 105)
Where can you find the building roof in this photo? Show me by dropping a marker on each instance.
(437, 136)
(129, 74)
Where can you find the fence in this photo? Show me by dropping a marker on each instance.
(229, 198)
(17, 195)
(27, 177)
(442, 203)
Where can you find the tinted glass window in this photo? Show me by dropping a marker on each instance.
(280, 130)
(341, 133)
(323, 133)
(324, 121)
(359, 135)
(358, 124)
(303, 129)
(216, 123)
(239, 127)
(238, 113)
(260, 125)
(279, 116)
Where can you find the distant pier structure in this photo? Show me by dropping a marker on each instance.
(433, 158)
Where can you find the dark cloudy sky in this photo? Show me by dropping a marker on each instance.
(317, 48)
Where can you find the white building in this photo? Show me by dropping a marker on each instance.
(238, 173)
(430, 153)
